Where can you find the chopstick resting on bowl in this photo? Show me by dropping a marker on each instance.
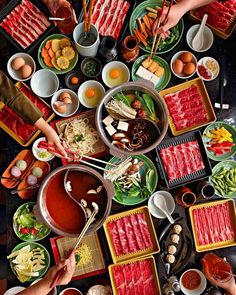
(156, 44)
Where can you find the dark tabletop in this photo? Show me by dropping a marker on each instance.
(9, 149)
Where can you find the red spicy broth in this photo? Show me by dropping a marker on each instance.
(71, 292)
(67, 215)
(81, 183)
(191, 280)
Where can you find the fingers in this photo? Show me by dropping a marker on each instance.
(61, 149)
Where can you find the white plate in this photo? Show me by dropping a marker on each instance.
(203, 61)
(197, 291)
(35, 149)
(14, 290)
(170, 203)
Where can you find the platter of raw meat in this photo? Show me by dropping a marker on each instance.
(183, 159)
(221, 17)
(18, 128)
(214, 225)
(24, 23)
(135, 277)
(189, 106)
(131, 234)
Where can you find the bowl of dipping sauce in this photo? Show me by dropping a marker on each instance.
(183, 64)
(115, 73)
(90, 93)
(39, 153)
(193, 282)
(91, 67)
(71, 291)
(208, 68)
(44, 83)
(207, 34)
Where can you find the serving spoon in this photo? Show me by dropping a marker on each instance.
(198, 39)
(160, 203)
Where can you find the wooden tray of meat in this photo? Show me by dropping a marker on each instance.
(189, 106)
(136, 276)
(213, 225)
(183, 159)
(25, 23)
(131, 234)
(15, 126)
(111, 17)
(221, 17)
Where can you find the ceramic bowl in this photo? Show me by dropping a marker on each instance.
(114, 64)
(71, 289)
(71, 108)
(86, 62)
(75, 73)
(16, 75)
(37, 150)
(170, 203)
(44, 83)
(208, 38)
(14, 291)
(83, 87)
(202, 62)
(197, 291)
(177, 56)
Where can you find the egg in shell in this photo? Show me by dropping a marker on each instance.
(17, 63)
(26, 71)
(186, 57)
(189, 68)
(65, 97)
(92, 95)
(60, 107)
(116, 76)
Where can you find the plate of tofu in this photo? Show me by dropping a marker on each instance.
(155, 70)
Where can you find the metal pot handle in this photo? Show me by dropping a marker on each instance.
(145, 83)
(118, 154)
(110, 188)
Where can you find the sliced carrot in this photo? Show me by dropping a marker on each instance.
(47, 61)
(44, 52)
(48, 44)
(136, 35)
(146, 21)
(142, 38)
(51, 53)
(151, 20)
(142, 27)
(149, 32)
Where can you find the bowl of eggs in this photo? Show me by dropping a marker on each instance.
(65, 102)
(21, 66)
(115, 73)
(90, 93)
(183, 64)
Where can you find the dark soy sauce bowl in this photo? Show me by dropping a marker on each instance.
(86, 62)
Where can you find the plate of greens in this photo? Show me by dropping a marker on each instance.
(141, 26)
(29, 261)
(137, 183)
(26, 226)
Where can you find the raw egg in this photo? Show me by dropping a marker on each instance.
(189, 68)
(92, 96)
(26, 71)
(178, 66)
(186, 57)
(90, 92)
(116, 76)
(114, 73)
(17, 63)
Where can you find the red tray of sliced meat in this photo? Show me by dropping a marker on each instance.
(183, 159)
(25, 23)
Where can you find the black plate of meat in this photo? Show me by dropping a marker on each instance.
(25, 24)
(182, 159)
(111, 17)
(176, 246)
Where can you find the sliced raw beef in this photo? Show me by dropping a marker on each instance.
(112, 227)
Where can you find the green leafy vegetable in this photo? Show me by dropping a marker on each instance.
(125, 99)
(78, 138)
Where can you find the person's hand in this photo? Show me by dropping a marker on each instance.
(52, 138)
(175, 15)
(65, 278)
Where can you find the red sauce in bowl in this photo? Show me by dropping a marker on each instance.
(191, 280)
(71, 292)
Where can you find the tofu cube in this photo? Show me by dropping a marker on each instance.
(123, 126)
(140, 71)
(154, 79)
(110, 129)
(108, 120)
(147, 75)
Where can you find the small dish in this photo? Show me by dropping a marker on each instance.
(44, 83)
(72, 291)
(91, 67)
(90, 93)
(115, 73)
(208, 37)
(201, 287)
(77, 74)
(209, 66)
(71, 108)
(177, 56)
(16, 74)
(39, 153)
(169, 202)
(14, 290)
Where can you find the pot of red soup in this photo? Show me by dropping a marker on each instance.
(63, 210)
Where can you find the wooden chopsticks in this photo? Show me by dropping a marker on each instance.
(156, 44)
(88, 16)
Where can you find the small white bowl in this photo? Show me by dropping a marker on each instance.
(79, 292)
(203, 61)
(14, 291)
(170, 203)
(72, 108)
(44, 83)
(208, 38)
(197, 291)
(86, 84)
(16, 74)
(36, 150)
(177, 56)
(113, 64)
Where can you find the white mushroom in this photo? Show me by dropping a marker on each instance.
(92, 191)
(88, 212)
(83, 203)
(68, 186)
(99, 188)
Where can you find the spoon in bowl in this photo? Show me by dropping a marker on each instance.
(198, 39)
(160, 203)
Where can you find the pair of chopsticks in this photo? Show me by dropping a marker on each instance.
(87, 16)
(90, 220)
(73, 156)
(156, 42)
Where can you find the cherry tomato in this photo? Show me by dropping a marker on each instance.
(33, 231)
(141, 113)
(136, 104)
(24, 230)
